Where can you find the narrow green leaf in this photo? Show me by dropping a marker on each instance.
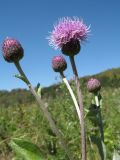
(26, 150)
(20, 77)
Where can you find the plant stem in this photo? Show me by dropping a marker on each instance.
(72, 95)
(97, 101)
(80, 100)
(45, 111)
(101, 126)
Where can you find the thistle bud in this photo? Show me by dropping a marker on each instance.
(12, 50)
(93, 85)
(59, 63)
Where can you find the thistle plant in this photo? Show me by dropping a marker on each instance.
(68, 35)
(94, 114)
(59, 64)
(94, 87)
(13, 52)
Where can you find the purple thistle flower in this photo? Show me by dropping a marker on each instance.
(93, 85)
(67, 29)
(59, 63)
(12, 50)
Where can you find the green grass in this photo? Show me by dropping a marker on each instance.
(26, 121)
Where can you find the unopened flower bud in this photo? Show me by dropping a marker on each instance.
(12, 50)
(59, 63)
(93, 85)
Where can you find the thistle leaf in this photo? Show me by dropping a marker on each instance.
(21, 78)
(26, 150)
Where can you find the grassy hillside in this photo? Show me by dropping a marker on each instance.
(20, 117)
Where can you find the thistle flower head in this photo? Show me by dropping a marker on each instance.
(93, 85)
(66, 30)
(59, 63)
(12, 50)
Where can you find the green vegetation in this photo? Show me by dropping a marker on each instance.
(20, 117)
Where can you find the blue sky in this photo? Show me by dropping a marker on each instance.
(30, 21)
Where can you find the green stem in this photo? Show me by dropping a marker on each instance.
(72, 95)
(80, 100)
(45, 111)
(101, 126)
(97, 101)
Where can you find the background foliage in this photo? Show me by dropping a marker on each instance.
(20, 117)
